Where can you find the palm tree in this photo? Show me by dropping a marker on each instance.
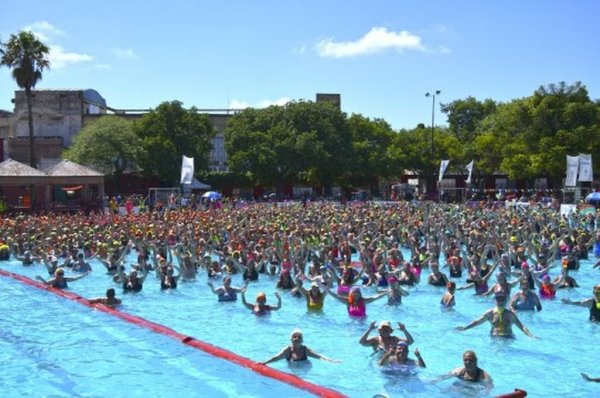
(27, 57)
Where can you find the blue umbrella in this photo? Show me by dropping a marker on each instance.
(593, 197)
(211, 195)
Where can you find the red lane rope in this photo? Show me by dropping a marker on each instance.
(187, 340)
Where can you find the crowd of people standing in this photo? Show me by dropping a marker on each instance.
(326, 249)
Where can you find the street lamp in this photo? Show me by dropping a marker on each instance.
(436, 92)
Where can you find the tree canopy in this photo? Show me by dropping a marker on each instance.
(167, 133)
(300, 142)
(109, 144)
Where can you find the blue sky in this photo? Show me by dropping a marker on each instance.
(381, 56)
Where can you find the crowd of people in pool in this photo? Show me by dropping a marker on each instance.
(308, 249)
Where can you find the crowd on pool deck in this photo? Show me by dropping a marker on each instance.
(308, 249)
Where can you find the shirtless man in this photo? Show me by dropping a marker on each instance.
(385, 341)
(110, 300)
(501, 319)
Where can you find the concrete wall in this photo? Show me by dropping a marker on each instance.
(55, 114)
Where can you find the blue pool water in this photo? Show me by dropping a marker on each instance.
(77, 351)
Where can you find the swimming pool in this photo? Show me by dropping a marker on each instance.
(52, 347)
(549, 365)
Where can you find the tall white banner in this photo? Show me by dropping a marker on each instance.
(443, 166)
(470, 168)
(187, 170)
(572, 169)
(585, 168)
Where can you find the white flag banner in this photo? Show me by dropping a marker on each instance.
(470, 169)
(572, 169)
(585, 168)
(443, 166)
(187, 170)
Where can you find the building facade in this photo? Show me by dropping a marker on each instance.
(59, 115)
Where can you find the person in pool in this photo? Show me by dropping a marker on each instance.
(593, 303)
(110, 300)
(27, 258)
(261, 307)
(59, 281)
(448, 300)
(501, 319)
(355, 301)
(297, 352)
(525, 299)
(395, 292)
(226, 292)
(478, 282)
(315, 297)
(398, 355)
(384, 341)
(469, 371)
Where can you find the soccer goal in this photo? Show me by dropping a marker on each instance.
(166, 197)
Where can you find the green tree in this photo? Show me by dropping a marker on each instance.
(109, 144)
(465, 115)
(302, 141)
(169, 132)
(372, 156)
(530, 137)
(27, 57)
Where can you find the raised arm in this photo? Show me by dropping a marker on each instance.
(375, 297)
(312, 354)
(409, 338)
(282, 354)
(365, 340)
(74, 278)
(342, 299)
(486, 315)
(278, 307)
(244, 302)
(580, 303)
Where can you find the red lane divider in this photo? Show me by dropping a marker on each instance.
(187, 340)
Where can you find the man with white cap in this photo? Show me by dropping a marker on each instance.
(384, 341)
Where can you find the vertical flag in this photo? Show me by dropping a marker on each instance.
(585, 168)
(572, 169)
(443, 166)
(187, 170)
(470, 168)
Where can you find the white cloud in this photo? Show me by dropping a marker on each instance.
(240, 104)
(124, 53)
(375, 41)
(279, 101)
(59, 58)
(44, 30)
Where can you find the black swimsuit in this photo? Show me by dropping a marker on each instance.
(463, 373)
(595, 312)
(290, 358)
